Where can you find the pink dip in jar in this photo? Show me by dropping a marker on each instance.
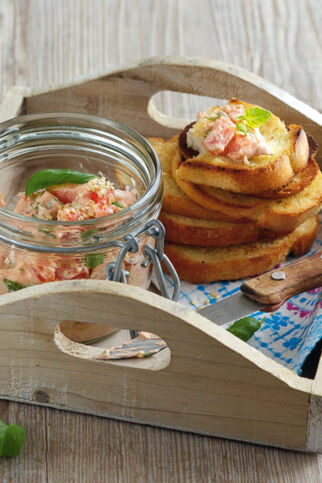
(73, 231)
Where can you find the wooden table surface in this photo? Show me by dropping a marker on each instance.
(49, 42)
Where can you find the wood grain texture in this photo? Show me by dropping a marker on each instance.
(66, 447)
(314, 434)
(48, 42)
(271, 39)
(300, 276)
(127, 94)
(217, 386)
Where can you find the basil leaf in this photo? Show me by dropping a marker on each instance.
(116, 203)
(12, 438)
(85, 235)
(12, 286)
(241, 127)
(51, 177)
(245, 328)
(256, 117)
(93, 260)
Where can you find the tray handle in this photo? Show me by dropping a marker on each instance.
(120, 93)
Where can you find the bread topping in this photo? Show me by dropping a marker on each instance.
(227, 131)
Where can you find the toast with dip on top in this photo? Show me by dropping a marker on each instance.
(214, 233)
(242, 148)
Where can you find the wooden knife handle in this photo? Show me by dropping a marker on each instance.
(273, 288)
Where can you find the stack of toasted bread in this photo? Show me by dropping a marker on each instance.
(233, 216)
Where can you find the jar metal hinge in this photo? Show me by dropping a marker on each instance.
(115, 270)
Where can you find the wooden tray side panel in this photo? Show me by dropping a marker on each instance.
(124, 95)
(117, 98)
(13, 103)
(215, 384)
(314, 433)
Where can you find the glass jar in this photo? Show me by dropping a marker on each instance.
(36, 251)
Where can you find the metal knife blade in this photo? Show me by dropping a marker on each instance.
(230, 309)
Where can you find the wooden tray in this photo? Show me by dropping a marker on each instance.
(218, 385)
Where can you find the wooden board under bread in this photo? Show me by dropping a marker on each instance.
(218, 385)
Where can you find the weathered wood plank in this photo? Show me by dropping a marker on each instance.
(7, 45)
(31, 465)
(84, 449)
(274, 40)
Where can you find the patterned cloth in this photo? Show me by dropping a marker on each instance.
(287, 335)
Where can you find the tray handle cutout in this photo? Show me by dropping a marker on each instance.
(120, 93)
(112, 346)
(177, 109)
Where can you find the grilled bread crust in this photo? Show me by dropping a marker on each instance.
(263, 173)
(200, 265)
(174, 200)
(297, 184)
(208, 233)
(280, 215)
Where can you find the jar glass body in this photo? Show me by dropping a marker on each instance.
(34, 250)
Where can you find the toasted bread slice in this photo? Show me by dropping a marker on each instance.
(289, 154)
(165, 150)
(282, 215)
(297, 184)
(199, 265)
(209, 233)
(174, 200)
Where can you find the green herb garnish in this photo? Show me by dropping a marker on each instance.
(93, 260)
(219, 114)
(85, 235)
(116, 203)
(12, 438)
(12, 286)
(245, 328)
(255, 117)
(50, 177)
(207, 132)
(241, 127)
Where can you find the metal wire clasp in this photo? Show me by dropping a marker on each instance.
(155, 229)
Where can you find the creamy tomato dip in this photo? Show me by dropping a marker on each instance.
(75, 202)
(67, 202)
(222, 131)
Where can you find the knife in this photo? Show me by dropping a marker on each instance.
(268, 291)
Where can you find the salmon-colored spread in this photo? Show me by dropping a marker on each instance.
(68, 202)
(219, 131)
(75, 202)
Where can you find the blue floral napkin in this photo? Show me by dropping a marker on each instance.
(287, 335)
